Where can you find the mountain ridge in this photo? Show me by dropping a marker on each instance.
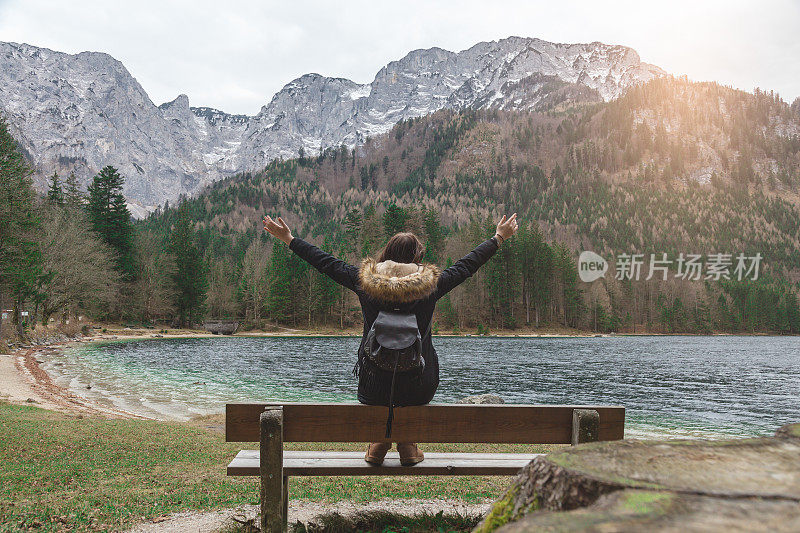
(644, 173)
(79, 112)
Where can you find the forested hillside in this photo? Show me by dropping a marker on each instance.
(671, 167)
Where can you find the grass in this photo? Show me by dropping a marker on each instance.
(69, 473)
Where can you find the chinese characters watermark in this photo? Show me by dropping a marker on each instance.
(691, 267)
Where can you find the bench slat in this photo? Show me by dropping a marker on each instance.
(313, 463)
(452, 423)
(337, 454)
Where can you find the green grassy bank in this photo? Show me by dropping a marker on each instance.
(67, 473)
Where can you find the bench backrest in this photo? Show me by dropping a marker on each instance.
(337, 422)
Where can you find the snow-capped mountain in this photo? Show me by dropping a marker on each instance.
(82, 112)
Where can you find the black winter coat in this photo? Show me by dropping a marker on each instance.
(374, 390)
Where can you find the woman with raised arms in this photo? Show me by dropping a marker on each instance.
(398, 295)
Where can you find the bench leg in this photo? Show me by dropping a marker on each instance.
(285, 503)
(273, 518)
(585, 426)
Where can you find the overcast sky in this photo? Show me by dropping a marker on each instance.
(234, 55)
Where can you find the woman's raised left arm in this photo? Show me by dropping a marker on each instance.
(465, 267)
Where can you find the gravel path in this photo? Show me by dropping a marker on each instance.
(303, 511)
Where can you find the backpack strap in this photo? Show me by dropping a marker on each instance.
(390, 418)
(391, 400)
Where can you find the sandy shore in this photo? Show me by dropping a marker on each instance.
(22, 381)
(15, 385)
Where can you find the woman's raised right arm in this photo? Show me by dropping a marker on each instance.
(339, 271)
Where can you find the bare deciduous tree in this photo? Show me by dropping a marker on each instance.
(80, 266)
(254, 281)
(154, 289)
(221, 298)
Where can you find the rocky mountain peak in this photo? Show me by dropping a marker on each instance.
(181, 102)
(82, 112)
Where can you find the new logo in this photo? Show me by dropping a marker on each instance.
(591, 266)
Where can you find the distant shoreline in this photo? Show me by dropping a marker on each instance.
(117, 332)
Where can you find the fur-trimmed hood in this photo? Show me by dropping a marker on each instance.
(397, 282)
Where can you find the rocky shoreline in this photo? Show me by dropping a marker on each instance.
(26, 382)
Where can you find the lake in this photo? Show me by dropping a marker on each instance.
(671, 386)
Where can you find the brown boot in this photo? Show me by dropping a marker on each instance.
(409, 453)
(376, 452)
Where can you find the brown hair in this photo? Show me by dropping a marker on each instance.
(403, 248)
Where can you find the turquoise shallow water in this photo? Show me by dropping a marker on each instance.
(670, 386)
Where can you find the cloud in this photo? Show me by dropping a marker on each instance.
(236, 55)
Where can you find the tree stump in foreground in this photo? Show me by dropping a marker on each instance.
(658, 485)
(637, 510)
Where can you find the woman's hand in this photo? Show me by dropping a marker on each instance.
(278, 229)
(507, 227)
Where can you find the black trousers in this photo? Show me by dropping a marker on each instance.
(374, 385)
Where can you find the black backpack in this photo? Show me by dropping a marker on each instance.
(394, 344)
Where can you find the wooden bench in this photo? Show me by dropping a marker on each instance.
(274, 424)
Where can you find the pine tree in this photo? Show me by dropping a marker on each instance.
(394, 219)
(254, 279)
(325, 290)
(435, 233)
(73, 197)
(500, 278)
(792, 313)
(536, 264)
(190, 274)
(372, 236)
(110, 217)
(55, 195)
(282, 287)
(571, 293)
(20, 256)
